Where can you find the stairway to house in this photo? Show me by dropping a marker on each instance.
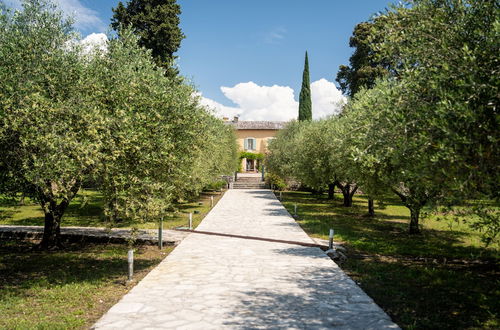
(253, 182)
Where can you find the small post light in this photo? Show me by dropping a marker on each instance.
(330, 240)
(281, 195)
(160, 234)
(130, 256)
(211, 201)
(295, 209)
(191, 221)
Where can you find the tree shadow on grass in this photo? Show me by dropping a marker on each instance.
(392, 238)
(5, 215)
(425, 295)
(384, 233)
(23, 268)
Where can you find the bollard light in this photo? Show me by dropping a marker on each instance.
(191, 221)
(211, 201)
(160, 234)
(130, 256)
(295, 209)
(330, 240)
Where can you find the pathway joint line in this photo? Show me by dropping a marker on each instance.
(322, 247)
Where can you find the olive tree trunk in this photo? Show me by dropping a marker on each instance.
(348, 191)
(54, 212)
(414, 217)
(414, 203)
(371, 207)
(51, 232)
(331, 190)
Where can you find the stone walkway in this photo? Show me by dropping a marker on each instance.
(213, 282)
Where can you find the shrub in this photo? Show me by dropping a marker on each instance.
(274, 180)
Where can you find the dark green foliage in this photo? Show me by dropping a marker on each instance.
(274, 181)
(215, 186)
(364, 68)
(251, 155)
(305, 103)
(156, 22)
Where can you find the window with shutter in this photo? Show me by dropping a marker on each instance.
(250, 143)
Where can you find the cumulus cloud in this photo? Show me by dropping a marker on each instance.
(85, 18)
(275, 103)
(94, 40)
(326, 98)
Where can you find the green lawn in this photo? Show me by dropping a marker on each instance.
(442, 279)
(65, 289)
(86, 210)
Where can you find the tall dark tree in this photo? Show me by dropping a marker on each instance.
(156, 22)
(305, 103)
(364, 64)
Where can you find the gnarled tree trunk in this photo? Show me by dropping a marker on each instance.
(331, 190)
(348, 191)
(414, 217)
(414, 205)
(51, 238)
(371, 207)
(51, 232)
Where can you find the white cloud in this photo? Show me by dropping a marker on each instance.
(275, 103)
(326, 98)
(94, 40)
(85, 18)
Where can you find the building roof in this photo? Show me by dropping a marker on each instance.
(246, 124)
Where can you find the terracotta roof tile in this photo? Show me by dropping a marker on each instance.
(243, 124)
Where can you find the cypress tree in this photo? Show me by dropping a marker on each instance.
(305, 104)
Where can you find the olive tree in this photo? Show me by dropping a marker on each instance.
(448, 55)
(68, 115)
(50, 128)
(281, 159)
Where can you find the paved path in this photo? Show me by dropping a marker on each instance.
(213, 282)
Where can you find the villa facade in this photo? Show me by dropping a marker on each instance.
(253, 137)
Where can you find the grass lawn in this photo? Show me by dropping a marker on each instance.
(65, 289)
(441, 279)
(86, 211)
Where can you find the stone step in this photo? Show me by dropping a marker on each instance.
(249, 180)
(237, 185)
(249, 183)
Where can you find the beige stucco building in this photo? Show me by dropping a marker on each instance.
(253, 136)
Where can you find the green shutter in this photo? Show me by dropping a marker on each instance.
(254, 144)
(245, 142)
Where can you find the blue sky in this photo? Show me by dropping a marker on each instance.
(231, 43)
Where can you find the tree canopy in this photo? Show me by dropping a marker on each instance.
(156, 23)
(67, 115)
(364, 64)
(427, 128)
